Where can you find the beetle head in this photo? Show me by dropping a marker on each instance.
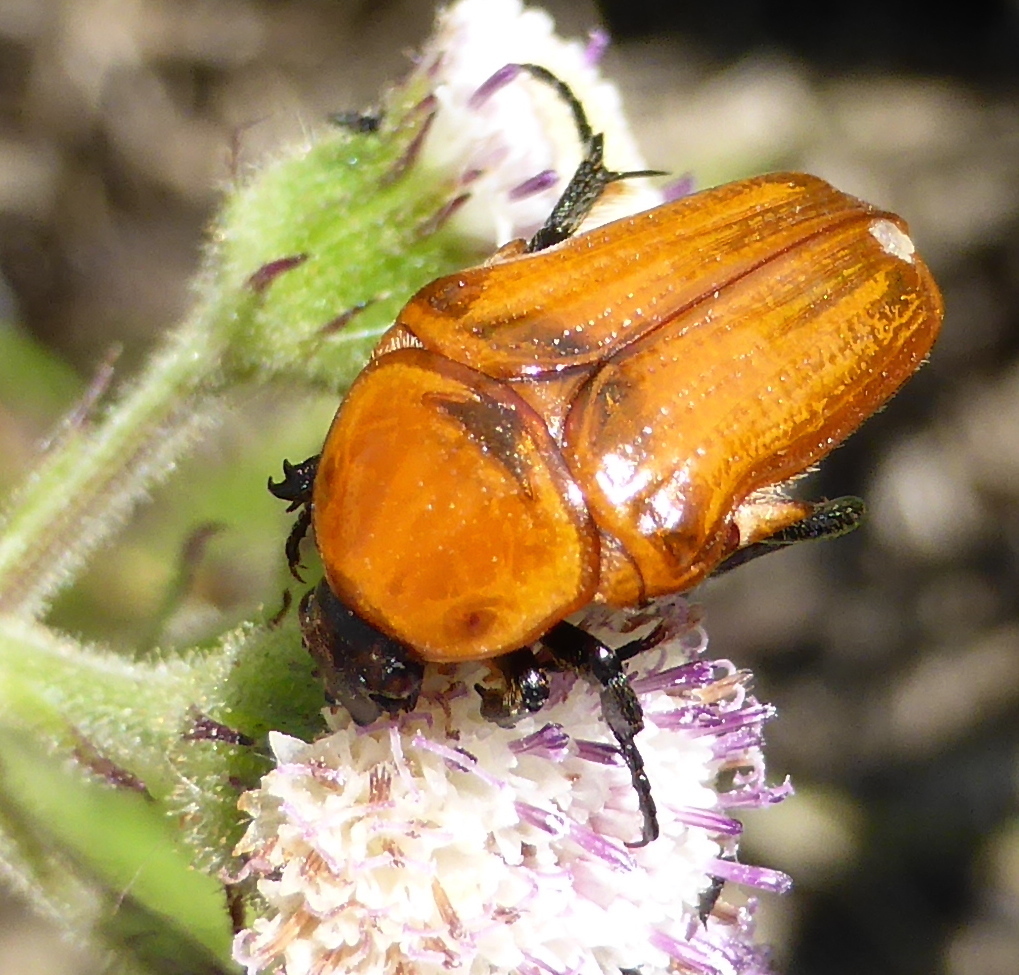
(366, 671)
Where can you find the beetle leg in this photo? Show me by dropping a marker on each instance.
(294, 539)
(297, 482)
(574, 648)
(591, 177)
(525, 689)
(828, 519)
(581, 194)
(648, 642)
(709, 897)
(361, 123)
(296, 487)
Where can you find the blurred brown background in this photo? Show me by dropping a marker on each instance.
(893, 655)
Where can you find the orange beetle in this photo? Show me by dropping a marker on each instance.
(605, 417)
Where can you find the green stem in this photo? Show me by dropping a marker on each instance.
(97, 703)
(55, 522)
(109, 860)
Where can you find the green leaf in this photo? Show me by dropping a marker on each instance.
(154, 905)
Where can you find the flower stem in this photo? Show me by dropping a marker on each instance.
(87, 484)
(74, 696)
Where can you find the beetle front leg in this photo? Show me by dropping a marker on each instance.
(296, 488)
(525, 689)
(575, 648)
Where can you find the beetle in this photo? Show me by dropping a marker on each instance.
(598, 417)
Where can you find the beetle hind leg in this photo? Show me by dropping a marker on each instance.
(826, 519)
(576, 649)
(591, 177)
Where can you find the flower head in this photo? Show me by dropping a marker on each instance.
(441, 841)
(515, 145)
(317, 252)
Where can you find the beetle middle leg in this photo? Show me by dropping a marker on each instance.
(578, 650)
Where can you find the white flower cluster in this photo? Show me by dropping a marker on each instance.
(441, 841)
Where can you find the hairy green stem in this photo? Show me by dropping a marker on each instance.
(87, 484)
(94, 702)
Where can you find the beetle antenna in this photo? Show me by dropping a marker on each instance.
(577, 649)
(591, 177)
